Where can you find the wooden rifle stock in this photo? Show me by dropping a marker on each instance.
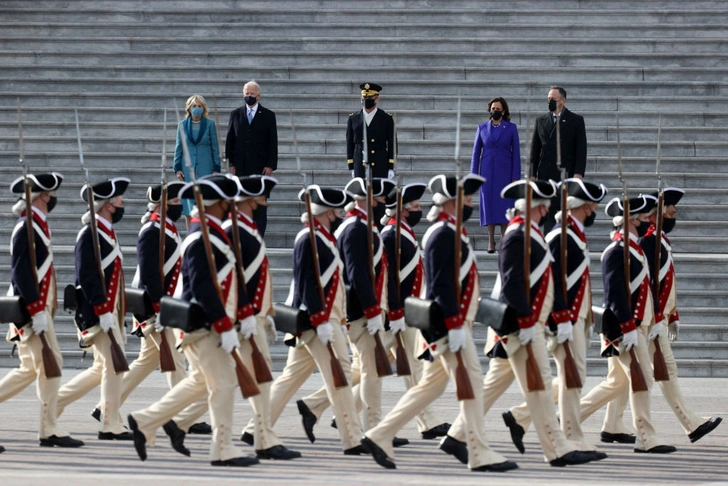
(403, 365)
(573, 380)
(260, 367)
(245, 380)
(534, 380)
(50, 364)
(462, 379)
(337, 371)
(637, 377)
(658, 359)
(659, 364)
(166, 360)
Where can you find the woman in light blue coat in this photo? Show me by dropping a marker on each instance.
(202, 144)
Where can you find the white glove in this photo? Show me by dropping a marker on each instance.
(656, 331)
(672, 330)
(375, 324)
(565, 332)
(352, 174)
(526, 335)
(456, 339)
(630, 340)
(40, 322)
(229, 340)
(248, 327)
(390, 174)
(106, 321)
(270, 329)
(325, 333)
(158, 324)
(397, 325)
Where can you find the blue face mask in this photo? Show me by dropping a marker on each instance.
(197, 111)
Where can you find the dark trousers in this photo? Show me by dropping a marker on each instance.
(262, 220)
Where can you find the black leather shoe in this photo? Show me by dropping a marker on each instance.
(201, 428)
(596, 455)
(237, 462)
(280, 452)
(96, 413)
(355, 451)
(377, 453)
(500, 467)
(248, 438)
(572, 458)
(176, 437)
(2, 449)
(140, 441)
(660, 449)
(308, 419)
(54, 441)
(435, 432)
(455, 448)
(397, 442)
(113, 436)
(333, 423)
(704, 429)
(619, 438)
(517, 431)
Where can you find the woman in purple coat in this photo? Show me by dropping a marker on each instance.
(497, 157)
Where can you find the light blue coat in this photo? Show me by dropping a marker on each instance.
(204, 153)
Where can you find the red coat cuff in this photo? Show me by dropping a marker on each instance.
(674, 317)
(35, 307)
(628, 326)
(155, 306)
(318, 318)
(245, 311)
(525, 322)
(396, 314)
(373, 311)
(453, 322)
(222, 325)
(561, 317)
(102, 308)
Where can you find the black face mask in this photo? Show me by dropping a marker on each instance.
(642, 229)
(590, 219)
(116, 217)
(174, 211)
(335, 224)
(496, 115)
(668, 224)
(54, 200)
(467, 212)
(552, 105)
(251, 100)
(369, 103)
(414, 217)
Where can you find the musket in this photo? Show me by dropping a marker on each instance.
(658, 360)
(248, 387)
(637, 378)
(571, 372)
(403, 366)
(50, 364)
(337, 371)
(166, 359)
(534, 380)
(462, 379)
(117, 354)
(384, 368)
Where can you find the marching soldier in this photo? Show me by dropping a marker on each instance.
(147, 327)
(626, 323)
(96, 313)
(532, 315)
(582, 201)
(665, 329)
(309, 348)
(255, 306)
(39, 297)
(380, 136)
(452, 336)
(208, 349)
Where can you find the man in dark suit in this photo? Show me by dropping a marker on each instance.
(252, 142)
(544, 162)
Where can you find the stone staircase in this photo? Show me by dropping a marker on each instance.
(121, 63)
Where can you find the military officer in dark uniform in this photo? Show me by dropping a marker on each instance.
(380, 136)
(96, 312)
(37, 289)
(452, 335)
(626, 323)
(208, 348)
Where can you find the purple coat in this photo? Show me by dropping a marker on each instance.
(497, 157)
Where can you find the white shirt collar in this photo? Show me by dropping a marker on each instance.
(370, 116)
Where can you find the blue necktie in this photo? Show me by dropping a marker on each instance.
(250, 117)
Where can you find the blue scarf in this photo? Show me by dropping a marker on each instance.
(188, 130)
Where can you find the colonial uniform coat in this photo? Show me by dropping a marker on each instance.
(380, 143)
(438, 245)
(38, 296)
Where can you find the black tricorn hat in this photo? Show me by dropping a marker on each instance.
(517, 189)
(446, 187)
(672, 195)
(154, 193)
(586, 191)
(256, 185)
(38, 183)
(637, 205)
(370, 89)
(380, 187)
(108, 189)
(213, 188)
(410, 192)
(326, 196)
